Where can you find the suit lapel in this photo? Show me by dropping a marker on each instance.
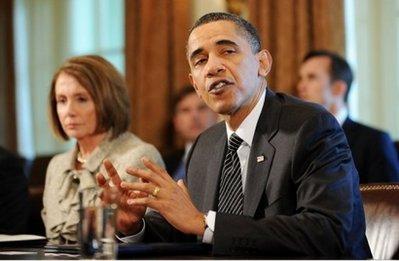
(262, 153)
(349, 128)
(213, 171)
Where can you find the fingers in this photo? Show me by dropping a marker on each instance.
(155, 168)
(147, 188)
(145, 175)
(101, 181)
(112, 173)
(145, 201)
(154, 173)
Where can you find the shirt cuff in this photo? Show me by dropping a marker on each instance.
(210, 222)
(136, 238)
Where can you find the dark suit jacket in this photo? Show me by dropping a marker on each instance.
(172, 160)
(13, 194)
(302, 200)
(373, 152)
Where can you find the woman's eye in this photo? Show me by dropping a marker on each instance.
(61, 100)
(82, 99)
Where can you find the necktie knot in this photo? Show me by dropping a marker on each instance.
(234, 142)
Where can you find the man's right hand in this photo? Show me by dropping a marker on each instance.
(128, 219)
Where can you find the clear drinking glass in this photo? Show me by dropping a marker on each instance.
(97, 232)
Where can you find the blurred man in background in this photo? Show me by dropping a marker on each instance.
(191, 116)
(326, 78)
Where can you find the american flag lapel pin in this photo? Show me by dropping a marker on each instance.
(260, 158)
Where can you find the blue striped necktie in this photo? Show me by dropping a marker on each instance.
(231, 196)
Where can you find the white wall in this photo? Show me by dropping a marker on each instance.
(376, 47)
(46, 33)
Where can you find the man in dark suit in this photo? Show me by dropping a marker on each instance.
(191, 116)
(326, 78)
(276, 178)
(13, 194)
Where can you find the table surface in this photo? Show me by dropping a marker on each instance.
(125, 251)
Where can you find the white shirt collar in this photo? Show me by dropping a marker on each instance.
(341, 115)
(246, 130)
(187, 148)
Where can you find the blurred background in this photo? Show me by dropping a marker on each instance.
(145, 40)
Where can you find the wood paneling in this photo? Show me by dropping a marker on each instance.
(7, 78)
(156, 33)
(291, 28)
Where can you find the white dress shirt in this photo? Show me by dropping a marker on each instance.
(341, 115)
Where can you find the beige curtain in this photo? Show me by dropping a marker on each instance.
(7, 80)
(156, 33)
(290, 28)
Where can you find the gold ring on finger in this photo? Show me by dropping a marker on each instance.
(156, 191)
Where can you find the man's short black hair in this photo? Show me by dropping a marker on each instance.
(243, 25)
(180, 95)
(339, 67)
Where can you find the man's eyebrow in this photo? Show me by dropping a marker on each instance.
(220, 42)
(226, 42)
(196, 52)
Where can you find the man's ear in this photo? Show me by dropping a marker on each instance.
(190, 76)
(265, 62)
(339, 88)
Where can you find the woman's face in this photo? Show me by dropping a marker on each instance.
(75, 108)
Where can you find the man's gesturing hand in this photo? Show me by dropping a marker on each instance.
(128, 216)
(169, 198)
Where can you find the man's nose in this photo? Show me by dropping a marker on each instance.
(301, 85)
(195, 114)
(214, 66)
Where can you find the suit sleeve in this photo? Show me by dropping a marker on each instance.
(159, 230)
(327, 198)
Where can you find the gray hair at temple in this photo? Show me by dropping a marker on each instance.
(246, 28)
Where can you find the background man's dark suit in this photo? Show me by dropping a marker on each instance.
(13, 194)
(173, 160)
(301, 199)
(373, 152)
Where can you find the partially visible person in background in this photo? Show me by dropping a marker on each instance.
(14, 207)
(326, 78)
(88, 102)
(191, 116)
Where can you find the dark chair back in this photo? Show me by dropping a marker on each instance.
(381, 207)
(37, 176)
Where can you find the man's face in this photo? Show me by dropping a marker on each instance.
(192, 117)
(314, 81)
(225, 72)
